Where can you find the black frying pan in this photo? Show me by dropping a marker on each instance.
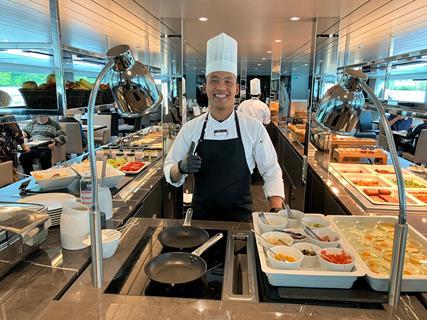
(183, 237)
(179, 267)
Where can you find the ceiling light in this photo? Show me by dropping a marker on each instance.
(258, 64)
(278, 40)
(269, 51)
(320, 60)
(306, 64)
(293, 68)
(331, 35)
(263, 58)
(295, 18)
(194, 68)
(256, 68)
(203, 19)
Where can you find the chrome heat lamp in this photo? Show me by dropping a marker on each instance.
(339, 112)
(135, 94)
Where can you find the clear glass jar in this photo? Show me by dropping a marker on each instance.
(113, 151)
(130, 157)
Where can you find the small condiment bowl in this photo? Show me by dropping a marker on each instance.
(308, 261)
(316, 222)
(335, 266)
(274, 235)
(288, 251)
(275, 221)
(322, 233)
(110, 242)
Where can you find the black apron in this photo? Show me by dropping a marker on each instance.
(222, 189)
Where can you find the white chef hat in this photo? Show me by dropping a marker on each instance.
(221, 54)
(255, 87)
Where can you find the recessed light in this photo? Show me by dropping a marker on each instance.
(194, 68)
(263, 58)
(203, 19)
(293, 68)
(269, 51)
(320, 60)
(277, 40)
(258, 64)
(295, 18)
(306, 64)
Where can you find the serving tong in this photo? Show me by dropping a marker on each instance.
(294, 235)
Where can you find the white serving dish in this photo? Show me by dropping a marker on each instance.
(275, 221)
(335, 266)
(308, 261)
(110, 242)
(276, 235)
(314, 277)
(47, 181)
(138, 171)
(410, 283)
(112, 175)
(315, 221)
(289, 251)
(322, 233)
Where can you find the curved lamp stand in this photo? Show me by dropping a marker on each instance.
(401, 227)
(135, 93)
(94, 214)
(339, 112)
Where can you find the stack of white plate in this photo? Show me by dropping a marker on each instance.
(53, 202)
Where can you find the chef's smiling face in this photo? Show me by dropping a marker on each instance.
(221, 87)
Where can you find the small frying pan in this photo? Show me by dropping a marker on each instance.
(185, 236)
(179, 267)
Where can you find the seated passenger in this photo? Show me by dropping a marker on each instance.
(42, 128)
(399, 123)
(409, 143)
(10, 137)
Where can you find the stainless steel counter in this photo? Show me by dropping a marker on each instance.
(48, 273)
(82, 301)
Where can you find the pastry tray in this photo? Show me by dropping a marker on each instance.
(307, 277)
(410, 283)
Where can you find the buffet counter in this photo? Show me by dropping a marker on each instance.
(82, 301)
(324, 191)
(45, 275)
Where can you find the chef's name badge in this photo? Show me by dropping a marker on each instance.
(219, 133)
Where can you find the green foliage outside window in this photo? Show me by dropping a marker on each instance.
(15, 79)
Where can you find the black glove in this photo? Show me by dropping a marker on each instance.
(191, 163)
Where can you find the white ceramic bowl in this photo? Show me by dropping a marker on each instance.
(289, 251)
(335, 266)
(110, 242)
(274, 235)
(308, 261)
(316, 222)
(322, 233)
(275, 222)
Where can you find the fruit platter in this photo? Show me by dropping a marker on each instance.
(371, 240)
(297, 259)
(133, 167)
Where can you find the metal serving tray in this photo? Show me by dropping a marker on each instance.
(410, 283)
(315, 277)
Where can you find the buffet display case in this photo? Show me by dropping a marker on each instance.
(374, 187)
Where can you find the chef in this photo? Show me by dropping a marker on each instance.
(255, 107)
(222, 147)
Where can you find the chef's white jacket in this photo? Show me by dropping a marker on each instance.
(256, 142)
(256, 109)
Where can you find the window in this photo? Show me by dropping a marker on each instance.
(407, 90)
